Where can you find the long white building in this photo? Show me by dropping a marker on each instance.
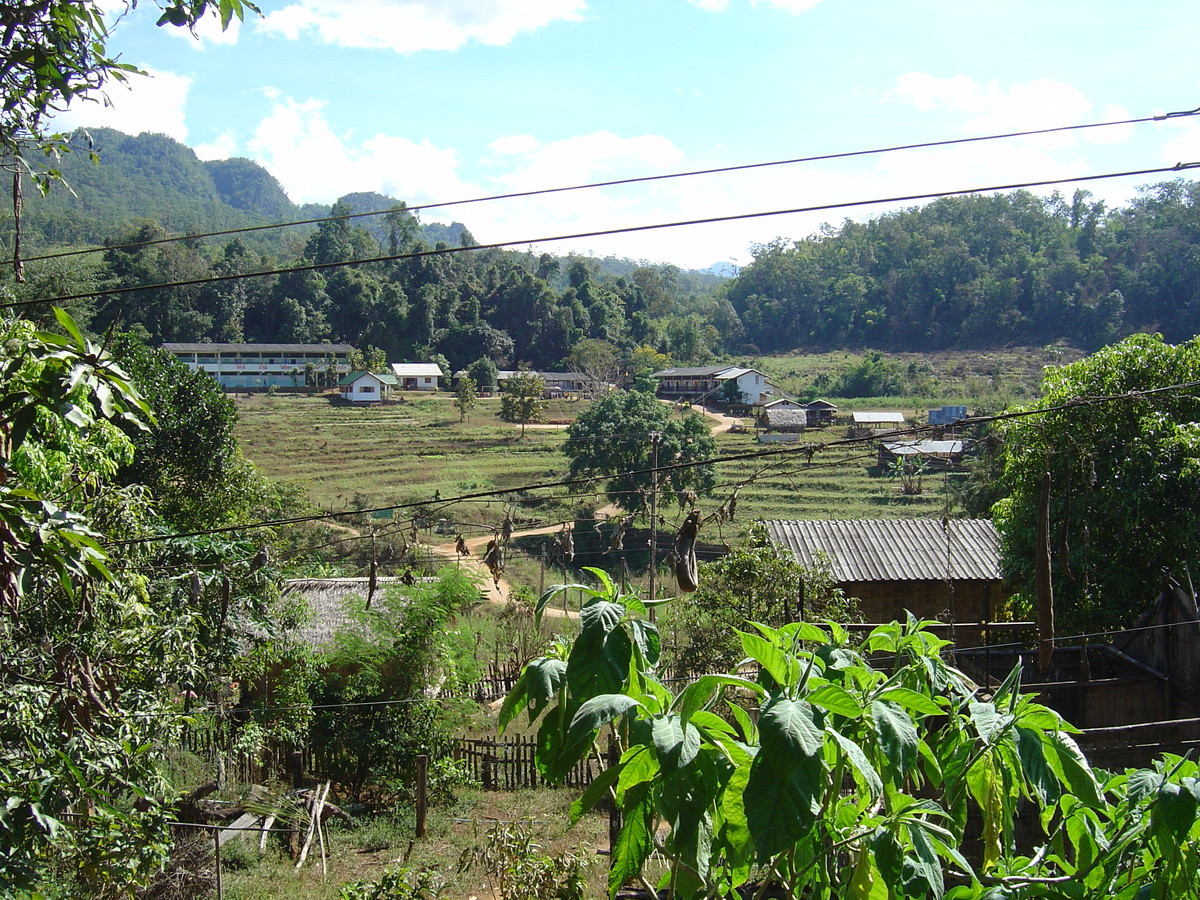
(262, 365)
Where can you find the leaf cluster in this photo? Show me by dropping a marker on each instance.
(810, 770)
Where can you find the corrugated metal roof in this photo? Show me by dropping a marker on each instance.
(916, 448)
(895, 549)
(257, 348)
(691, 371)
(879, 418)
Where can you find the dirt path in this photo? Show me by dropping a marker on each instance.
(724, 422)
(499, 591)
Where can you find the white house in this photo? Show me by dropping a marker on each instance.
(417, 376)
(366, 387)
(708, 382)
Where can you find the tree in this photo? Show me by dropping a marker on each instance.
(749, 584)
(464, 396)
(611, 439)
(1124, 481)
(810, 772)
(522, 399)
(598, 360)
(56, 53)
(483, 372)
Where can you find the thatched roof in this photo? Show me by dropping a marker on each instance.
(328, 599)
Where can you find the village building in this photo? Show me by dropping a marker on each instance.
(885, 420)
(935, 454)
(948, 570)
(367, 387)
(789, 416)
(417, 376)
(704, 383)
(250, 366)
(562, 384)
(947, 415)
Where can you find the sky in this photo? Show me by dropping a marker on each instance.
(433, 101)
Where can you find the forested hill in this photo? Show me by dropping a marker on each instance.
(152, 177)
(983, 271)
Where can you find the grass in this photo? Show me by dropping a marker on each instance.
(383, 841)
(417, 452)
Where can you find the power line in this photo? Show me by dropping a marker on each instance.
(778, 451)
(923, 145)
(633, 229)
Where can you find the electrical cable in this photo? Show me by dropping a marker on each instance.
(758, 454)
(626, 181)
(632, 229)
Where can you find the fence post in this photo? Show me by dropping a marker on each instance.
(217, 861)
(422, 785)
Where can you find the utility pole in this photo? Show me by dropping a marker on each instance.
(655, 437)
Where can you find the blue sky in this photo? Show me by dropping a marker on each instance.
(438, 100)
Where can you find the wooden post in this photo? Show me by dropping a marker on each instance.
(422, 786)
(1045, 584)
(217, 862)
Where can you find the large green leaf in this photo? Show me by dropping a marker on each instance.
(1172, 815)
(858, 759)
(780, 811)
(635, 842)
(597, 712)
(837, 700)
(1037, 771)
(774, 661)
(912, 700)
(676, 743)
(789, 730)
(599, 659)
(1072, 768)
(896, 735)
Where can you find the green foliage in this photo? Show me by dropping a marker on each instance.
(483, 373)
(382, 665)
(853, 781)
(521, 870)
(611, 439)
(56, 53)
(396, 883)
(522, 399)
(1124, 474)
(748, 584)
(465, 396)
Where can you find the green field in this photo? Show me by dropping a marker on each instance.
(417, 452)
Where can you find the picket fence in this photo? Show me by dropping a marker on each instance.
(508, 764)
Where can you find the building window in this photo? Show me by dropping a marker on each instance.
(367, 389)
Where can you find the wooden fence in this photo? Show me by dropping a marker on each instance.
(507, 765)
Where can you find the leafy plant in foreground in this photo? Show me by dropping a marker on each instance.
(855, 777)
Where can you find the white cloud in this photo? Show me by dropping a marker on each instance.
(407, 26)
(1185, 147)
(223, 146)
(515, 144)
(153, 102)
(795, 7)
(208, 31)
(296, 144)
(1041, 103)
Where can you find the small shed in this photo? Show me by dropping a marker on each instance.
(936, 454)
(879, 421)
(366, 387)
(937, 569)
(784, 419)
(820, 413)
